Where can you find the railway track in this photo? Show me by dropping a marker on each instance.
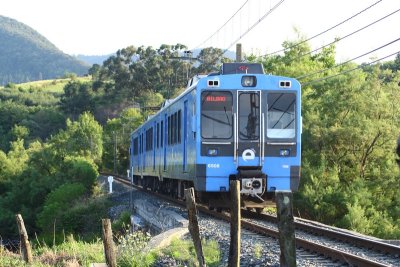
(318, 243)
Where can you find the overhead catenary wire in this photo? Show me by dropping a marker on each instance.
(347, 61)
(212, 35)
(348, 35)
(255, 24)
(325, 31)
(350, 70)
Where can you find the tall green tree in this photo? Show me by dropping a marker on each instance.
(81, 138)
(116, 139)
(78, 97)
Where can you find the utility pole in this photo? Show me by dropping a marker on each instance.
(238, 52)
(115, 152)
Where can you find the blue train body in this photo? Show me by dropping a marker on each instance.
(236, 124)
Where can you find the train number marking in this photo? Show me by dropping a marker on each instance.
(213, 165)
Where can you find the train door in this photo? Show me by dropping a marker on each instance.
(248, 131)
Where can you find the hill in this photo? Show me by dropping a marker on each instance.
(25, 55)
(93, 59)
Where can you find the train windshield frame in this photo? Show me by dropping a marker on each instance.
(281, 115)
(216, 115)
(249, 115)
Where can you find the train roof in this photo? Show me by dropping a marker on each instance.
(241, 68)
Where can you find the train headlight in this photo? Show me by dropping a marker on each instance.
(212, 152)
(249, 81)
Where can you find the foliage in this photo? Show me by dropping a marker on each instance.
(56, 205)
(77, 98)
(81, 138)
(30, 122)
(120, 225)
(130, 250)
(48, 167)
(183, 252)
(116, 139)
(350, 124)
(70, 253)
(211, 58)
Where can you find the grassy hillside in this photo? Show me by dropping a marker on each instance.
(25, 55)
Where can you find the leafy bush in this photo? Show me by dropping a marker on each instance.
(83, 219)
(57, 203)
(130, 250)
(122, 223)
(80, 170)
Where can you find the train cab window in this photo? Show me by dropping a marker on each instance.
(281, 115)
(249, 116)
(216, 115)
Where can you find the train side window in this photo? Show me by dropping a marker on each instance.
(179, 126)
(281, 115)
(162, 134)
(135, 146)
(172, 129)
(141, 143)
(151, 138)
(169, 130)
(175, 127)
(158, 135)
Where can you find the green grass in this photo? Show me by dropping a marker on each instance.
(130, 250)
(184, 253)
(55, 85)
(70, 252)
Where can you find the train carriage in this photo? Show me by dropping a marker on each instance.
(238, 123)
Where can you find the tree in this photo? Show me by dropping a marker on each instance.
(81, 138)
(116, 139)
(210, 59)
(77, 98)
(350, 124)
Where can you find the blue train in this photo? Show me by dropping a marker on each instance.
(238, 123)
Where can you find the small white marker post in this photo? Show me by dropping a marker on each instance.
(110, 181)
(127, 174)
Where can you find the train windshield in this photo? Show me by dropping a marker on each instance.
(216, 115)
(281, 115)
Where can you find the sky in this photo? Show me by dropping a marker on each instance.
(99, 27)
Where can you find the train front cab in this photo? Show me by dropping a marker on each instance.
(251, 134)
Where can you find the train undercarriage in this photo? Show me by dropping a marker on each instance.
(253, 193)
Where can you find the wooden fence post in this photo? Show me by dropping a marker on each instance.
(194, 225)
(109, 251)
(234, 248)
(25, 246)
(284, 205)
